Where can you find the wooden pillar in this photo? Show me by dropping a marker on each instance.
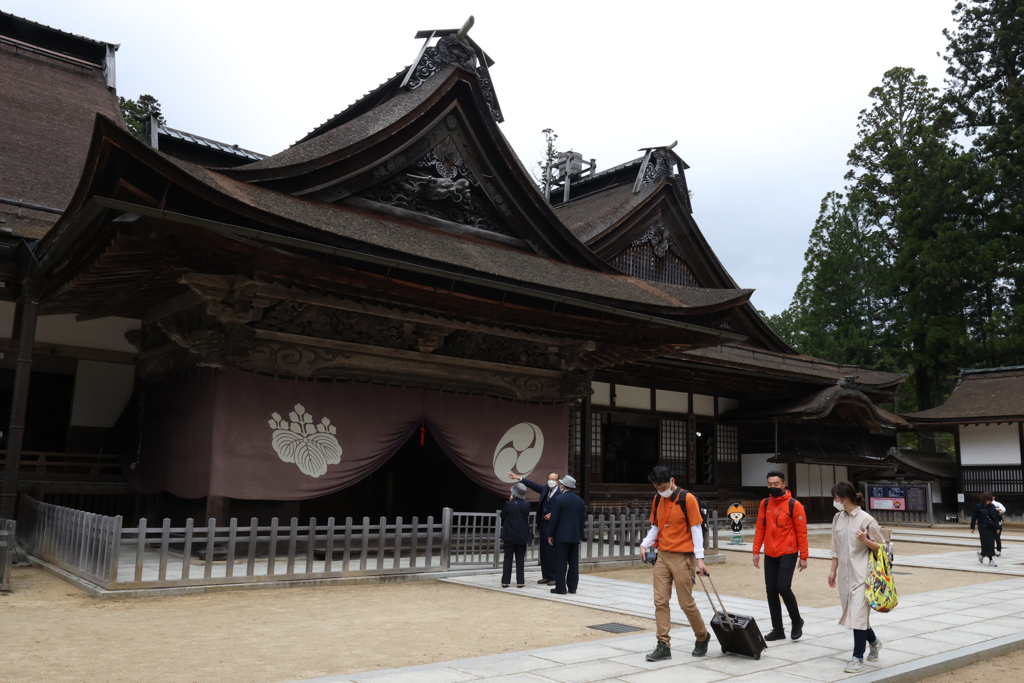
(586, 443)
(27, 308)
(218, 508)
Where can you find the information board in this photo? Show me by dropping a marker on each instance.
(887, 497)
(917, 499)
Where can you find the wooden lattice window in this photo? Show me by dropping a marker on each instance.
(674, 435)
(575, 441)
(596, 449)
(655, 256)
(728, 443)
(995, 480)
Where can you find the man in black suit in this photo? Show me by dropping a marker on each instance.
(565, 531)
(548, 494)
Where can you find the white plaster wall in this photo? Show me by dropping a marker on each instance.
(727, 404)
(990, 445)
(703, 405)
(602, 394)
(672, 401)
(754, 469)
(102, 391)
(102, 333)
(632, 397)
(803, 480)
(7, 319)
(936, 492)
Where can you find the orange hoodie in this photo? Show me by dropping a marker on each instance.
(781, 535)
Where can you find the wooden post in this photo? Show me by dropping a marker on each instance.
(19, 399)
(211, 535)
(497, 537)
(254, 530)
(347, 547)
(414, 545)
(115, 552)
(364, 544)
(380, 542)
(310, 545)
(396, 558)
(446, 539)
(292, 540)
(165, 540)
(229, 568)
(140, 548)
(272, 552)
(186, 552)
(329, 550)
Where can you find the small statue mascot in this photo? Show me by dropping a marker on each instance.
(736, 514)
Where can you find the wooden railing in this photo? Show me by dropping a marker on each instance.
(7, 531)
(67, 466)
(99, 550)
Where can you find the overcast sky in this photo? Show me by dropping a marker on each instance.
(762, 97)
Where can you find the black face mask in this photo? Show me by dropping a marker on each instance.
(775, 493)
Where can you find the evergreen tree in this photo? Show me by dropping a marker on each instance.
(840, 310)
(550, 155)
(985, 58)
(908, 172)
(136, 112)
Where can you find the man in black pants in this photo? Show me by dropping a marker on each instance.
(547, 497)
(782, 528)
(565, 531)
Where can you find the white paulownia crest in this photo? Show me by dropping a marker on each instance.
(311, 447)
(518, 451)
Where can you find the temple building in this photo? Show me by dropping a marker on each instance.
(385, 318)
(985, 414)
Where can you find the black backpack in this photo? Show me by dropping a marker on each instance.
(792, 502)
(681, 492)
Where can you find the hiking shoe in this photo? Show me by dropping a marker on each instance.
(999, 553)
(798, 630)
(661, 652)
(992, 563)
(776, 634)
(873, 652)
(701, 647)
(855, 666)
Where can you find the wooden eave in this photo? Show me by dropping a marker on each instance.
(665, 203)
(355, 167)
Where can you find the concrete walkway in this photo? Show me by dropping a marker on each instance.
(928, 633)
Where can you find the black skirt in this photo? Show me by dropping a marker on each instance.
(988, 541)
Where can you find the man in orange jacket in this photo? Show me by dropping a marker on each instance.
(782, 528)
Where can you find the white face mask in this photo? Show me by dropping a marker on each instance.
(552, 484)
(838, 506)
(666, 493)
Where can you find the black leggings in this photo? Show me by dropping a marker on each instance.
(860, 639)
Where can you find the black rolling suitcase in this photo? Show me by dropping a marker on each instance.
(738, 634)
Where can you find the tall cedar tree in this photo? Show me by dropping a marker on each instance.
(985, 87)
(907, 170)
(840, 310)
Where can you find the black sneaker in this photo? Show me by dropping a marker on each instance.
(776, 634)
(661, 652)
(701, 647)
(798, 630)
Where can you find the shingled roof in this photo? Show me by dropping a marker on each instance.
(52, 88)
(988, 395)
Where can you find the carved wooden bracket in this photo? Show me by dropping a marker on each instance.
(231, 299)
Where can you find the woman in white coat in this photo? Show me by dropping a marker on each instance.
(852, 530)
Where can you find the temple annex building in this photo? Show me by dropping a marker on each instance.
(383, 319)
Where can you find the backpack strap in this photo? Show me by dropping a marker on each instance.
(683, 493)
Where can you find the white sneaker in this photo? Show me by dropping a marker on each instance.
(855, 666)
(992, 563)
(981, 560)
(999, 553)
(873, 652)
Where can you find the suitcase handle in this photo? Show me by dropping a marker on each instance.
(724, 612)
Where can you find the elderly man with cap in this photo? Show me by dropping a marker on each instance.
(515, 532)
(565, 531)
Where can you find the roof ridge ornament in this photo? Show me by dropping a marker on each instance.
(662, 162)
(454, 46)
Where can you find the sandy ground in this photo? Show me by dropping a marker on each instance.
(1001, 669)
(739, 577)
(53, 632)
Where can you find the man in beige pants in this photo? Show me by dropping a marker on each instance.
(676, 532)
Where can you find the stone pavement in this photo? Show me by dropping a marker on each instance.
(928, 633)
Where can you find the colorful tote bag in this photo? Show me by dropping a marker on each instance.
(881, 588)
